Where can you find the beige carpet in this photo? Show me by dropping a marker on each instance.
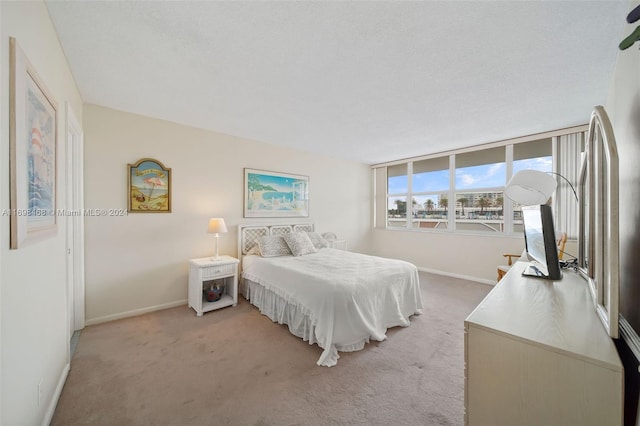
(235, 367)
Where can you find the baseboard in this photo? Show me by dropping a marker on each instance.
(135, 312)
(463, 277)
(51, 409)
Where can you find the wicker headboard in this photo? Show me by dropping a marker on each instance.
(249, 234)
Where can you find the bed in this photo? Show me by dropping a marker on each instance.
(336, 299)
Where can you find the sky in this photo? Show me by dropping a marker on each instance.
(467, 178)
(279, 183)
(153, 171)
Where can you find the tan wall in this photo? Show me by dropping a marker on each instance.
(33, 298)
(140, 262)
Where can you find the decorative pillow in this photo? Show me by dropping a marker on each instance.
(329, 236)
(299, 243)
(273, 246)
(255, 250)
(317, 240)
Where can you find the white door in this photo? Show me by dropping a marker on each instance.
(74, 215)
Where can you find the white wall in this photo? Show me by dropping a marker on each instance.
(460, 255)
(140, 262)
(33, 279)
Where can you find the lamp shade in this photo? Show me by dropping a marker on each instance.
(217, 226)
(530, 187)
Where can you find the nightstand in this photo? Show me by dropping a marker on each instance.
(205, 270)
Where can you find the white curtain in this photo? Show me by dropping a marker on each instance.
(568, 154)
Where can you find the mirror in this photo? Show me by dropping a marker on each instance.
(598, 233)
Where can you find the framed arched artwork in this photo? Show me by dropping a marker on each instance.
(149, 187)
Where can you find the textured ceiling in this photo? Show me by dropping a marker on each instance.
(366, 81)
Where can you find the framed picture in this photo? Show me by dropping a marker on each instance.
(149, 187)
(33, 147)
(270, 194)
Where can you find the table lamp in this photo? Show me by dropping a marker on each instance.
(217, 227)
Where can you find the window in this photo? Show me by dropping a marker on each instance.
(535, 155)
(464, 191)
(397, 189)
(482, 175)
(397, 212)
(397, 179)
(430, 188)
(481, 169)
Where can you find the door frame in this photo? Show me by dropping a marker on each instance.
(75, 222)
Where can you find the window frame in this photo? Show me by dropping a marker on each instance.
(508, 220)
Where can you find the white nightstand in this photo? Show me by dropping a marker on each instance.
(337, 244)
(203, 270)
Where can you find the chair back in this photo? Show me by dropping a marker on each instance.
(562, 241)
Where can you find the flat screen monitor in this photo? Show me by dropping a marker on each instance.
(540, 242)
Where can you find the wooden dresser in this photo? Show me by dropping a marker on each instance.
(537, 354)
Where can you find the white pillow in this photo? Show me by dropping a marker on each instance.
(299, 243)
(255, 250)
(317, 240)
(273, 246)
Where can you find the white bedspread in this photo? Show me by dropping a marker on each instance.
(349, 297)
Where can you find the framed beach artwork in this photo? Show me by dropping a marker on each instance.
(271, 194)
(32, 145)
(149, 187)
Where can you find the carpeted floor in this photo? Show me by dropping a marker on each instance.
(235, 367)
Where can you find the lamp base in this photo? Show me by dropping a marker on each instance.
(216, 256)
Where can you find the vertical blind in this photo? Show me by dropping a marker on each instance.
(568, 156)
